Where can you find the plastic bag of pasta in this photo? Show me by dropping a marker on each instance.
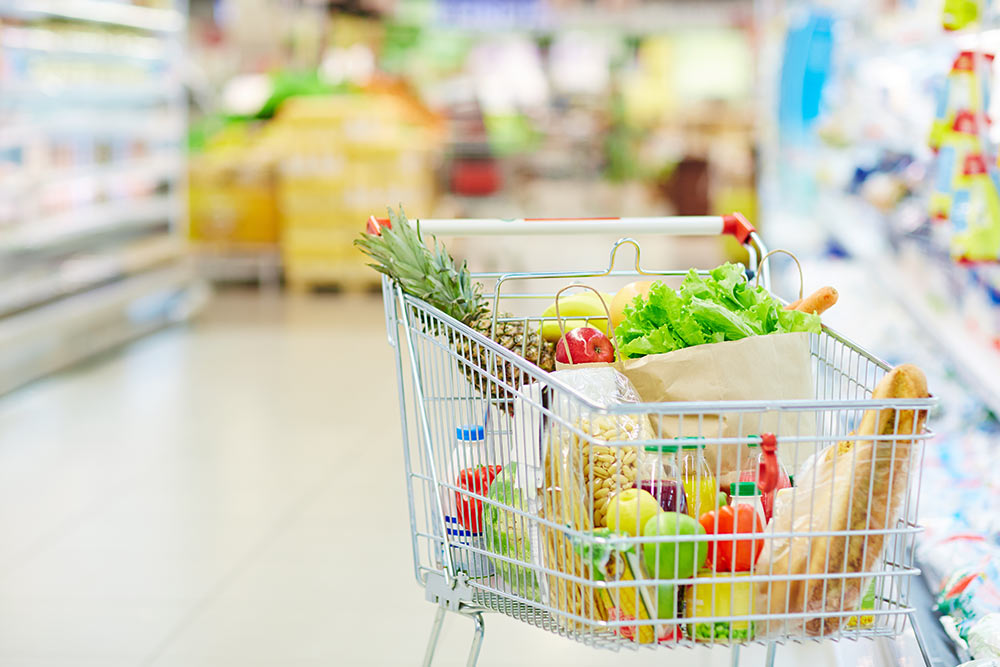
(587, 460)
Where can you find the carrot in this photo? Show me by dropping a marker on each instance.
(819, 301)
(793, 305)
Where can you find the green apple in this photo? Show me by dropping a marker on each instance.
(629, 510)
(670, 559)
(666, 603)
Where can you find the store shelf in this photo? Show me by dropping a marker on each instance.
(646, 18)
(65, 229)
(51, 337)
(77, 274)
(92, 91)
(94, 125)
(940, 651)
(974, 359)
(98, 11)
(41, 39)
(165, 166)
(151, 125)
(634, 18)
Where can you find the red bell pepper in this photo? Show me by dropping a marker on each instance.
(670, 633)
(473, 480)
(625, 631)
(733, 555)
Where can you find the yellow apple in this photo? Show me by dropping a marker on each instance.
(629, 510)
(625, 297)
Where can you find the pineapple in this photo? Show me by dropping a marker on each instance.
(430, 274)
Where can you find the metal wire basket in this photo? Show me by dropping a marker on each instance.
(539, 550)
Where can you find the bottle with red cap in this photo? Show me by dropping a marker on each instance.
(761, 465)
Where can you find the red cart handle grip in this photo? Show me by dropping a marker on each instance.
(375, 225)
(738, 226)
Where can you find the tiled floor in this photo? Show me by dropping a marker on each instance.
(231, 494)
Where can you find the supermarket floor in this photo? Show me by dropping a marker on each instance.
(230, 493)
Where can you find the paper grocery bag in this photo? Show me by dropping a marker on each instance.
(772, 367)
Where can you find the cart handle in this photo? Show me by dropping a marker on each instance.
(693, 225)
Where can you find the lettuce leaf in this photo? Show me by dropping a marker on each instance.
(712, 308)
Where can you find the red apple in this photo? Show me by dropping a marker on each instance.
(585, 345)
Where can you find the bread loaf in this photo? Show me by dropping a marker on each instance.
(853, 485)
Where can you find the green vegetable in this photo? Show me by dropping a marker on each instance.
(596, 552)
(705, 309)
(506, 532)
(721, 631)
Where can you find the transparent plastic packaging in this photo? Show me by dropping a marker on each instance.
(585, 466)
(700, 485)
(747, 493)
(660, 476)
(750, 471)
(851, 486)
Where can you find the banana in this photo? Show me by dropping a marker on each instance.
(584, 309)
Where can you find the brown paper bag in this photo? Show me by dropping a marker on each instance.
(772, 367)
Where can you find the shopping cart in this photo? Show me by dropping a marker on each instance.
(530, 544)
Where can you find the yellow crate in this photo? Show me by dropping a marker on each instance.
(333, 220)
(326, 243)
(231, 203)
(318, 257)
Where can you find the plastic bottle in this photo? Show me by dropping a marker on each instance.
(659, 474)
(470, 451)
(747, 493)
(758, 460)
(699, 483)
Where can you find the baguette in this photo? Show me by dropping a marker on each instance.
(855, 485)
(816, 303)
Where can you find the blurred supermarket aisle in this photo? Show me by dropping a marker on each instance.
(209, 496)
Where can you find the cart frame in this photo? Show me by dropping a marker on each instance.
(430, 396)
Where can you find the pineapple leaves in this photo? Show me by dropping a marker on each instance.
(428, 273)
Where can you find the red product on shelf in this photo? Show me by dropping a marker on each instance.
(475, 177)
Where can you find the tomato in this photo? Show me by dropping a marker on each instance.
(733, 555)
(474, 480)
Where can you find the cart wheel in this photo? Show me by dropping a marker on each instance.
(477, 638)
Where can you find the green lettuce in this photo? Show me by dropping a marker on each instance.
(713, 308)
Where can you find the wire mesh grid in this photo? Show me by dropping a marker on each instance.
(514, 477)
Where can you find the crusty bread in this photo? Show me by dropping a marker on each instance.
(855, 485)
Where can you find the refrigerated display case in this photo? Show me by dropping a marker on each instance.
(92, 118)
